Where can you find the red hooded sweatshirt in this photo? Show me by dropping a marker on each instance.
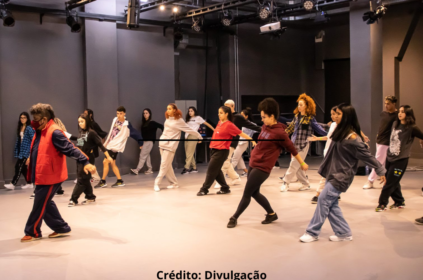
(266, 153)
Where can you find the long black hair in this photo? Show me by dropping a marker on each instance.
(144, 122)
(228, 111)
(349, 122)
(188, 117)
(90, 114)
(247, 112)
(88, 123)
(410, 119)
(28, 122)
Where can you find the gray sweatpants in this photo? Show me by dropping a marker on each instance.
(328, 207)
(295, 170)
(145, 155)
(166, 168)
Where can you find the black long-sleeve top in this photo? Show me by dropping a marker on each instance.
(88, 142)
(98, 130)
(149, 130)
(240, 122)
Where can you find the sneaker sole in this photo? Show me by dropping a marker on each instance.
(314, 202)
(381, 210)
(60, 234)
(306, 189)
(317, 239)
(134, 172)
(30, 240)
(118, 186)
(341, 240)
(266, 223)
(418, 223)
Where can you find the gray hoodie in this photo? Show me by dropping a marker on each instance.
(341, 162)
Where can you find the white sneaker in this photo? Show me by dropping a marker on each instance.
(368, 186)
(307, 238)
(216, 185)
(75, 181)
(32, 196)
(9, 186)
(276, 167)
(335, 238)
(236, 181)
(305, 188)
(284, 187)
(134, 171)
(173, 187)
(156, 188)
(148, 172)
(28, 186)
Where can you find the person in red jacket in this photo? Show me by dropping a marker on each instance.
(47, 170)
(263, 159)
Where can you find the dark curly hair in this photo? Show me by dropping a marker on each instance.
(270, 107)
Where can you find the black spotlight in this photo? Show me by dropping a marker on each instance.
(7, 18)
(374, 16)
(308, 5)
(73, 24)
(264, 10)
(226, 18)
(196, 25)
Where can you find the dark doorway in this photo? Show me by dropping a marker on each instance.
(337, 84)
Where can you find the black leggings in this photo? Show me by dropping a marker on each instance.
(394, 172)
(255, 178)
(20, 168)
(83, 185)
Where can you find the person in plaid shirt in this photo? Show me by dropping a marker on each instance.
(301, 128)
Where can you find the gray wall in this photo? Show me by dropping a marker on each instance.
(111, 66)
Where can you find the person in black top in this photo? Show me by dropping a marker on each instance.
(94, 125)
(148, 132)
(387, 118)
(87, 141)
(239, 122)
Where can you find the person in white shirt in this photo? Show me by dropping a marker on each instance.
(115, 143)
(173, 127)
(237, 160)
(193, 121)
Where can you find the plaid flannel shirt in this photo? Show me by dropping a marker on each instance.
(22, 148)
(303, 128)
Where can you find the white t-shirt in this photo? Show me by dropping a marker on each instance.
(22, 136)
(329, 141)
(194, 123)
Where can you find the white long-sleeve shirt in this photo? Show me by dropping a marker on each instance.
(329, 141)
(172, 131)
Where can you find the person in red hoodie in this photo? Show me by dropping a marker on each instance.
(263, 158)
(47, 170)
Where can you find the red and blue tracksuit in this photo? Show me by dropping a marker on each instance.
(47, 170)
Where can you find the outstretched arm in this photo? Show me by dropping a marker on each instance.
(317, 127)
(135, 134)
(209, 125)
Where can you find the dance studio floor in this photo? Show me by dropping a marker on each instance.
(133, 233)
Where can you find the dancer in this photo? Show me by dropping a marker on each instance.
(148, 131)
(301, 128)
(87, 142)
(173, 127)
(25, 133)
(262, 159)
(120, 131)
(237, 160)
(47, 170)
(403, 132)
(240, 122)
(339, 167)
(95, 126)
(225, 129)
(194, 121)
(387, 118)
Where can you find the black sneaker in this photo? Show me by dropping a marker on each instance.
(193, 170)
(119, 183)
(185, 171)
(201, 193)
(419, 221)
(381, 208)
(232, 223)
(270, 218)
(61, 192)
(32, 196)
(223, 192)
(101, 184)
(314, 200)
(397, 206)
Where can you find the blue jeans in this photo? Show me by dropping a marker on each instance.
(328, 207)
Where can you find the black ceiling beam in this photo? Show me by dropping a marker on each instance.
(100, 17)
(155, 4)
(215, 8)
